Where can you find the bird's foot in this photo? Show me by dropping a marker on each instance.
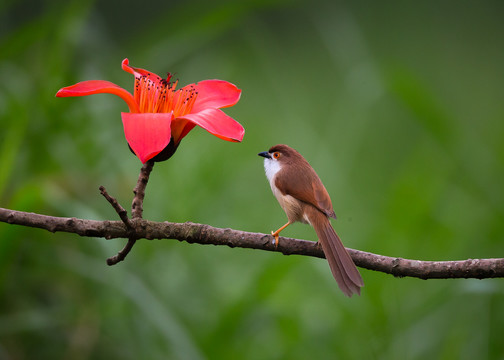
(276, 236)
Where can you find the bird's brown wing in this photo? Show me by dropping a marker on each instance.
(307, 187)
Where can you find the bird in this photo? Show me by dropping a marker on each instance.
(303, 197)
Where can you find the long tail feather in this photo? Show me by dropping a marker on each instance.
(342, 266)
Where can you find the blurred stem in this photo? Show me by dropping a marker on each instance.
(11, 143)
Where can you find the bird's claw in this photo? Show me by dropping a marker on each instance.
(275, 235)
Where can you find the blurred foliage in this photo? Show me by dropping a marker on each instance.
(397, 105)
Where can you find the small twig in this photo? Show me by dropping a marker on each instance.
(136, 210)
(121, 255)
(123, 214)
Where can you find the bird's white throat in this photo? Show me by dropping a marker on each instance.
(271, 167)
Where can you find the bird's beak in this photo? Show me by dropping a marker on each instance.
(265, 154)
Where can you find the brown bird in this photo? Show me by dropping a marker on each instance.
(304, 198)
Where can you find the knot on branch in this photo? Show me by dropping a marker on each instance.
(192, 232)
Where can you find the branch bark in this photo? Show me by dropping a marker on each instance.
(208, 235)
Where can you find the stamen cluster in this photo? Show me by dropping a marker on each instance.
(162, 97)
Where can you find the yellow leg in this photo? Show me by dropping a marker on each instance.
(276, 233)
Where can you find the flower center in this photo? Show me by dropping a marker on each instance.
(160, 96)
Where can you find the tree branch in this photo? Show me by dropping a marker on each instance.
(208, 235)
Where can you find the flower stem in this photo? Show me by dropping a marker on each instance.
(139, 190)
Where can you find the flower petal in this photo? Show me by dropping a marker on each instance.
(215, 94)
(216, 123)
(179, 128)
(138, 72)
(147, 134)
(91, 87)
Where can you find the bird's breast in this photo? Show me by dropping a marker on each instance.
(292, 207)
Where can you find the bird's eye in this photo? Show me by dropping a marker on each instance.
(276, 155)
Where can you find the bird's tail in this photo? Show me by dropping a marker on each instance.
(342, 266)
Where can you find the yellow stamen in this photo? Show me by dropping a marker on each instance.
(162, 97)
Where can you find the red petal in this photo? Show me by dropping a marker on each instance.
(138, 72)
(217, 123)
(148, 133)
(215, 94)
(91, 87)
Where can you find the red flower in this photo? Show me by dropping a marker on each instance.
(160, 115)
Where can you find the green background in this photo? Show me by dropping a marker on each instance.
(399, 107)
